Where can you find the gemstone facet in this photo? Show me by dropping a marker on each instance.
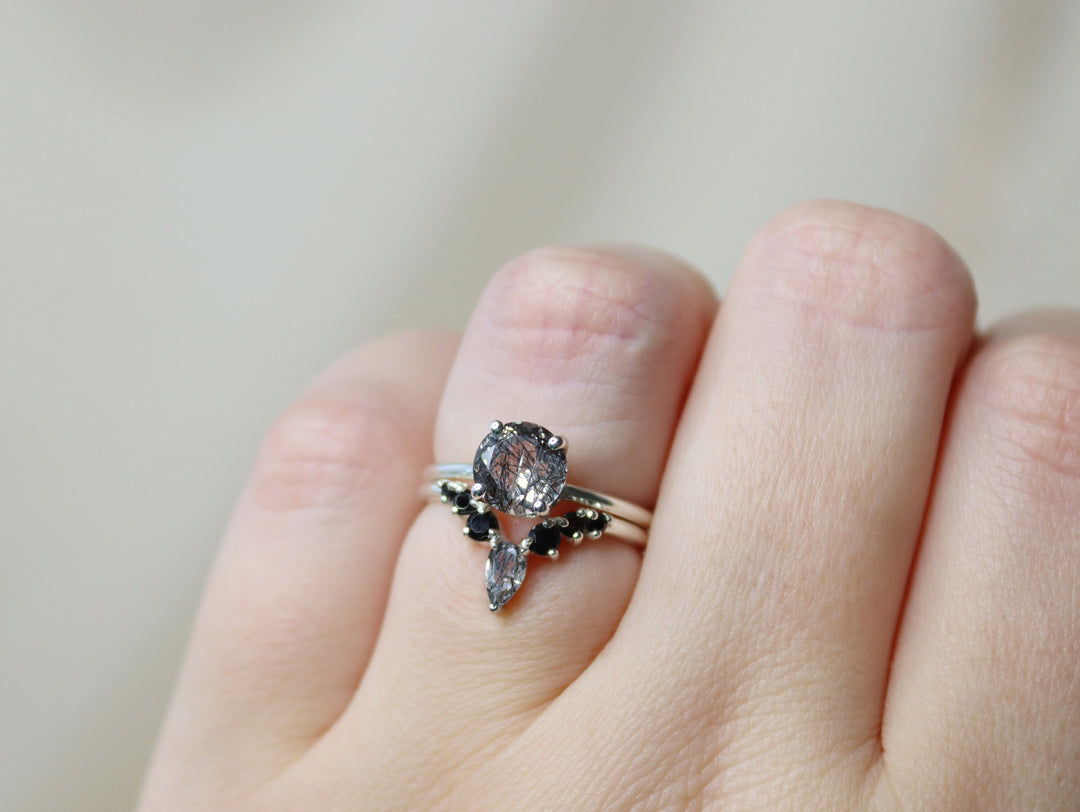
(504, 573)
(521, 474)
(596, 526)
(462, 503)
(545, 538)
(574, 528)
(480, 525)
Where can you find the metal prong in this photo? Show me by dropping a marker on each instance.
(553, 555)
(465, 531)
(496, 425)
(493, 607)
(478, 490)
(556, 443)
(539, 509)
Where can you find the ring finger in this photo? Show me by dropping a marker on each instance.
(599, 346)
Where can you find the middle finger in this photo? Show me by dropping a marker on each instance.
(766, 607)
(817, 417)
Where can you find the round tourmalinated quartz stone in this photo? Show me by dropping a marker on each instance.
(521, 474)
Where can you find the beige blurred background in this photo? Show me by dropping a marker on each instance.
(203, 202)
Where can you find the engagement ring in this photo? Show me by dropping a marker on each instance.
(520, 470)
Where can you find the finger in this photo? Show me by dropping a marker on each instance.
(599, 346)
(983, 704)
(296, 596)
(792, 501)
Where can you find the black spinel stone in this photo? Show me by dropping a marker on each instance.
(481, 524)
(575, 524)
(463, 503)
(544, 539)
(597, 525)
(447, 492)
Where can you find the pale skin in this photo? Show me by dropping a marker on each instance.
(861, 589)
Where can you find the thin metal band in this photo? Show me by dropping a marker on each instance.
(630, 522)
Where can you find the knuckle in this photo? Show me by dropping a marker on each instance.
(864, 267)
(1031, 387)
(559, 303)
(328, 448)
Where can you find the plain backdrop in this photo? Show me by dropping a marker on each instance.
(204, 201)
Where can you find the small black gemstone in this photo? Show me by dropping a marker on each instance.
(481, 524)
(463, 503)
(544, 539)
(574, 524)
(447, 492)
(597, 525)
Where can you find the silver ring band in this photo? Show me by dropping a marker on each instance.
(629, 522)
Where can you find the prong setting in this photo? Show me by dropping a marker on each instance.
(521, 467)
(506, 566)
(545, 537)
(482, 526)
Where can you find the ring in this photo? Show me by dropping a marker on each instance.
(520, 470)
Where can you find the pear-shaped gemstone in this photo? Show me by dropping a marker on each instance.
(504, 573)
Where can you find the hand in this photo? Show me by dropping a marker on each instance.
(861, 587)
